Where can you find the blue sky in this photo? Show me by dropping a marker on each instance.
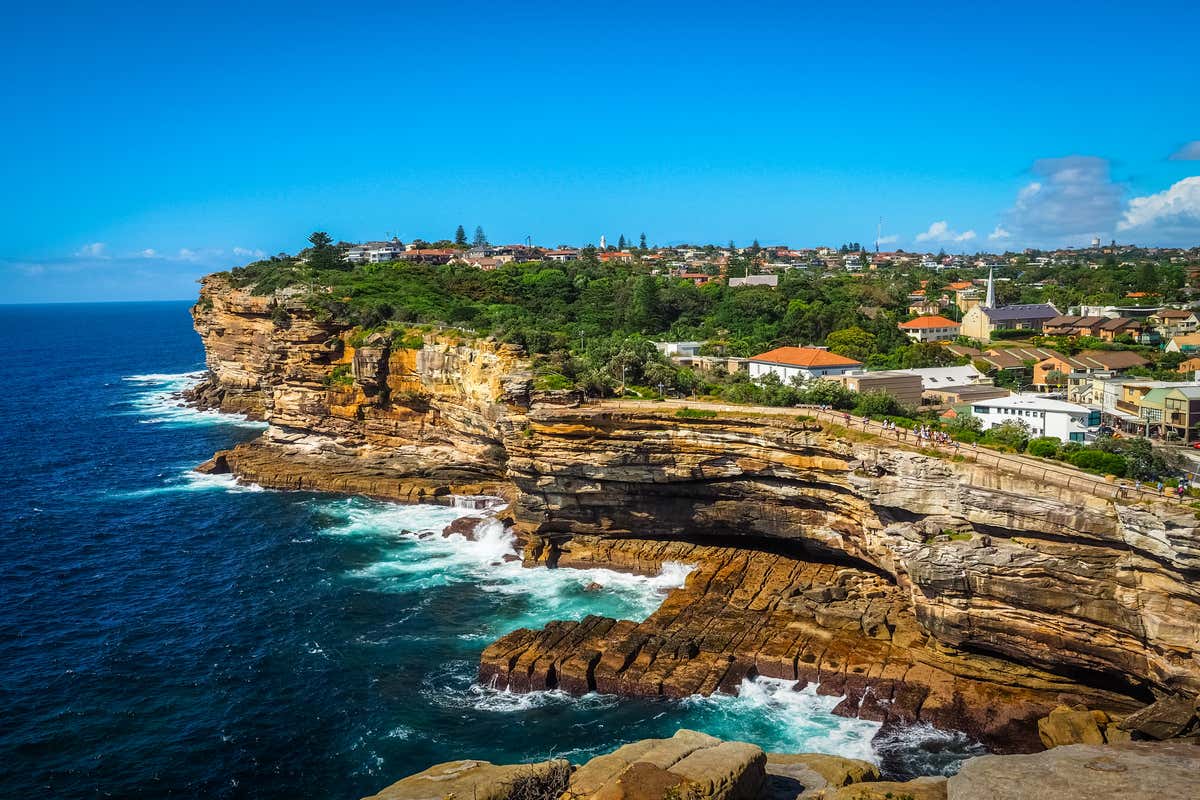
(145, 147)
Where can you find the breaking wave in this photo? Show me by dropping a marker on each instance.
(159, 402)
(417, 556)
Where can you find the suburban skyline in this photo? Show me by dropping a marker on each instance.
(148, 158)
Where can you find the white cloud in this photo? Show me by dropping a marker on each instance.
(187, 255)
(1171, 216)
(889, 239)
(1189, 152)
(243, 252)
(149, 252)
(1069, 201)
(942, 232)
(93, 250)
(999, 233)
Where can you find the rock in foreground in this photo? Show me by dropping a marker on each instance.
(1131, 771)
(695, 766)
(477, 780)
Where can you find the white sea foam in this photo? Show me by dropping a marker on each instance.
(192, 481)
(159, 403)
(422, 558)
(774, 714)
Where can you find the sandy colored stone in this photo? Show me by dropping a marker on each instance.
(928, 788)
(1066, 725)
(1132, 771)
(464, 780)
(651, 768)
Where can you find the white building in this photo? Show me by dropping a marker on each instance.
(755, 280)
(375, 252)
(805, 363)
(683, 349)
(1043, 416)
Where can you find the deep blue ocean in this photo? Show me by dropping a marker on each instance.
(169, 634)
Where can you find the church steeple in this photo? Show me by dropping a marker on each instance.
(990, 300)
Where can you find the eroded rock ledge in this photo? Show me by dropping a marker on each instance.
(745, 613)
(959, 573)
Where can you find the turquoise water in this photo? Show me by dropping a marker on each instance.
(166, 633)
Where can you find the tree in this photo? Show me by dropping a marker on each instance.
(852, 342)
(323, 255)
(460, 236)
(480, 237)
(642, 243)
(621, 242)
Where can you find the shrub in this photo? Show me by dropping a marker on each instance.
(1010, 434)
(280, 317)
(695, 413)
(341, 377)
(413, 341)
(540, 785)
(879, 404)
(1098, 461)
(1043, 447)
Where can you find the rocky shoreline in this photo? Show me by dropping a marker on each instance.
(920, 588)
(700, 767)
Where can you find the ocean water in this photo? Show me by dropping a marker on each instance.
(169, 634)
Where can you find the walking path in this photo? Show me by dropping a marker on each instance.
(1025, 466)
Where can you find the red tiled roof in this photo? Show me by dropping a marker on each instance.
(934, 321)
(805, 357)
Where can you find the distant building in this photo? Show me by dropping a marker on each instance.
(1184, 343)
(1043, 416)
(755, 280)
(564, 254)
(1086, 362)
(1175, 321)
(687, 349)
(930, 329)
(981, 321)
(900, 384)
(805, 363)
(374, 252)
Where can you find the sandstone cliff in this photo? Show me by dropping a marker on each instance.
(919, 587)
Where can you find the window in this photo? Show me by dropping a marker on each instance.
(1076, 437)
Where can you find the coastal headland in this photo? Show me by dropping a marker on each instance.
(918, 586)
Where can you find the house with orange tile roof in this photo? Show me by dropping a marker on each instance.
(805, 363)
(935, 328)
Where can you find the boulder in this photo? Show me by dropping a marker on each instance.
(1131, 771)
(1066, 725)
(690, 764)
(476, 780)
(791, 775)
(1165, 718)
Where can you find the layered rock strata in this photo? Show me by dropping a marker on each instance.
(980, 570)
(746, 613)
(989, 562)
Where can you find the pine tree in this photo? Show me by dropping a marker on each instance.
(460, 236)
(621, 242)
(643, 242)
(480, 237)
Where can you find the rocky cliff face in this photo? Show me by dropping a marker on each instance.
(966, 596)
(400, 415)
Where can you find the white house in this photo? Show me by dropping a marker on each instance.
(1043, 416)
(805, 363)
(935, 328)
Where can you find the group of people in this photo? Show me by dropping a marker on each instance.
(928, 434)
